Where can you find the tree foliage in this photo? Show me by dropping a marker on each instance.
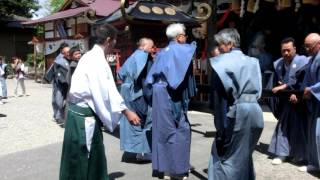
(56, 5)
(23, 8)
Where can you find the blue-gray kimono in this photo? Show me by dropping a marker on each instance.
(135, 139)
(171, 86)
(60, 87)
(238, 84)
(312, 80)
(289, 137)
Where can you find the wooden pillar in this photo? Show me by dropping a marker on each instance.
(75, 25)
(44, 50)
(212, 30)
(212, 25)
(35, 61)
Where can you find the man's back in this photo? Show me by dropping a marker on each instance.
(242, 72)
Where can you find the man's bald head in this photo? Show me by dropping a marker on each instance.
(145, 44)
(312, 43)
(142, 42)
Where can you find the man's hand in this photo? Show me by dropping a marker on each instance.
(279, 88)
(132, 117)
(307, 93)
(293, 99)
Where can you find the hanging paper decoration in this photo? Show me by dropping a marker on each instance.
(256, 6)
(39, 47)
(242, 8)
(298, 5)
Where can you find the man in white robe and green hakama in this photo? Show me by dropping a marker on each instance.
(94, 101)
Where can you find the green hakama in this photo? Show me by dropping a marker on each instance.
(77, 163)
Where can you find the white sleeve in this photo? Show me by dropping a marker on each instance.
(107, 101)
(22, 67)
(1, 72)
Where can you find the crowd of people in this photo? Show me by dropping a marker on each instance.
(15, 69)
(155, 92)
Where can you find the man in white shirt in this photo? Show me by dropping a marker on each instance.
(94, 102)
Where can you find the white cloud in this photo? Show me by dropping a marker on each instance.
(44, 9)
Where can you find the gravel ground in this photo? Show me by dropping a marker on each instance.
(28, 124)
(31, 143)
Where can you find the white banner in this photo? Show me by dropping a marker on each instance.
(53, 46)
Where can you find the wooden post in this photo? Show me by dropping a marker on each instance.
(75, 25)
(212, 29)
(212, 25)
(44, 53)
(35, 41)
(35, 61)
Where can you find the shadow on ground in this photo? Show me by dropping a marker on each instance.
(130, 158)
(3, 115)
(115, 133)
(263, 149)
(199, 175)
(116, 175)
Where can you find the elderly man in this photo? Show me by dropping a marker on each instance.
(136, 139)
(172, 85)
(60, 83)
(94, 102)
(289, 138)
(74, 56)
(239, 121)
(312, 94)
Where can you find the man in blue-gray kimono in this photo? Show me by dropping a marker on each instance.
(172, 85)
(289, 138)
(136, 139)
(312, 94)
(240, 121)
(60, 83)
(257, 49)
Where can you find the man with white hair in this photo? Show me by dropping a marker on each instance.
(239, 121)
(312, 94)
(136, 139)
(171, 85)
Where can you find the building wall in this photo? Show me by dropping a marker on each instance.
(72, 27)
(14, 42)
(51, 31)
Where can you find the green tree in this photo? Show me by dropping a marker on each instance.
(18, 7)
(56, 5)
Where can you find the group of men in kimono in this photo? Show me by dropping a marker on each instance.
(159, 91)
(156, 91)
(289, 138)
(297, 133)
(238, 118)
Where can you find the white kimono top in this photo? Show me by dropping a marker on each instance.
(93, 85)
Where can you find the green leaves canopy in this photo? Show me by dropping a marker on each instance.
(23, 8)
(56, 4)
